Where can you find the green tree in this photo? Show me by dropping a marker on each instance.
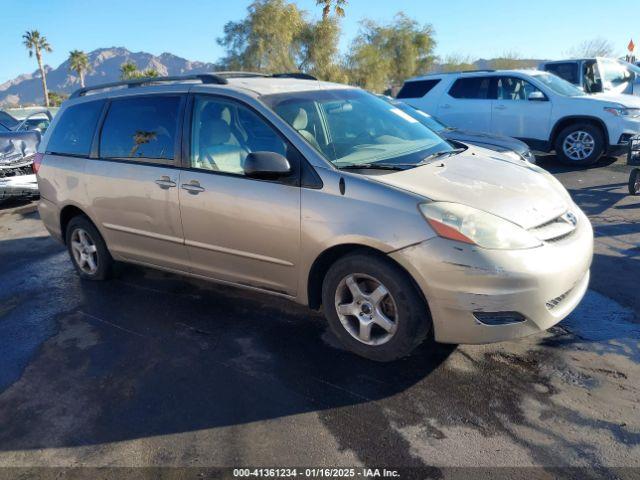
(384, 55)
(37, 44)
(338, 7)
(56, 98)
(128, 70)
(79, 62)
(319, 54)
(267, 40)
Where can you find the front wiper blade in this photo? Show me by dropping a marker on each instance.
(372, 166)
(445, 153)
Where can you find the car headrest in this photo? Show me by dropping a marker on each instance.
(214, 132)
(301, 120)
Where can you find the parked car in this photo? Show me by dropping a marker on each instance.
(316, 192)
(507, 145)
(597, 75)
(539, 108)
(39, 120)
(17, 150)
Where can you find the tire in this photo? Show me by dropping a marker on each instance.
(402, 304)
(82, 234)
(594, 144)
(634, 182)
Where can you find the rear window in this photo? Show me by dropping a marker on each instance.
(471, 88)
(141, 128)
(74, 131)
(417, 89)
(567, 71)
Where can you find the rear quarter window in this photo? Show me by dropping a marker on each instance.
(73, 134)
(417, 88)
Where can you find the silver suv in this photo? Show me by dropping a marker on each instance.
(317, 192)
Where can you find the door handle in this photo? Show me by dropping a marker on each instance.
(193, 187)
(500, 107)
(445, 106)
(165, 182)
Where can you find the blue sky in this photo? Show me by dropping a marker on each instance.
(189, 28)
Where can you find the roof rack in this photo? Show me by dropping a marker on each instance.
(241, 74)
(298, 75)
(206, 78)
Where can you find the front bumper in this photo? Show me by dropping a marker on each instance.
(18, 186)
(542, 284)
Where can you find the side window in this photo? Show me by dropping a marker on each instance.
(477, 88)
(566, 71)
(141, 128)
(74, 131)
(223, 133)
(417, 88)
(512, 88)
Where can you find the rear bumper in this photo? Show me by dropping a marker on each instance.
(18, 186)
(543, 284)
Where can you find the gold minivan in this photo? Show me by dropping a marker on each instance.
(317, 192)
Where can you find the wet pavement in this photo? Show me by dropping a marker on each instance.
(151, 369)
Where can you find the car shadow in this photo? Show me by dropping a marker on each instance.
(151, 353)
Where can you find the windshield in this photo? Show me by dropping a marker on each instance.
(558, 85)
(351, 127)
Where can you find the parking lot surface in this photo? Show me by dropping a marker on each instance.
(151, 369)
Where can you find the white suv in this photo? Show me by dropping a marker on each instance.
(539, 108)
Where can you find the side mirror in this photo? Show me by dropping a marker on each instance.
(266, 165)
(537, 96)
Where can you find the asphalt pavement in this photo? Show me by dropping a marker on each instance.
(152, 369)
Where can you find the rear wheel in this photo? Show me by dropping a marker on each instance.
(87, 250)
(373, 307)
(580, 144)
(634, 182)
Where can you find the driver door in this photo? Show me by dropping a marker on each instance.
(238, 229)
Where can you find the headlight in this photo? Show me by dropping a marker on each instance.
(623, 111)
(469, 225)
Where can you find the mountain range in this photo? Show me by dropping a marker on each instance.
(104, 67)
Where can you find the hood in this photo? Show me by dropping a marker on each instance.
(521, 193)
(630, 101)
(486, 139)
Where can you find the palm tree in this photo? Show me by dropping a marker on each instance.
(337, 8)
(37, 44)
(128, 70)
(79, 62)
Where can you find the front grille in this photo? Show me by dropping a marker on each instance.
(556, 229)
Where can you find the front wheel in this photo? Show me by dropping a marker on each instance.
(373, 307)
(580, 144)
(634, 182)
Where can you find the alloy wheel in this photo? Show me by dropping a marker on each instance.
(85, 252)
(579, 145)
(366, 309)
